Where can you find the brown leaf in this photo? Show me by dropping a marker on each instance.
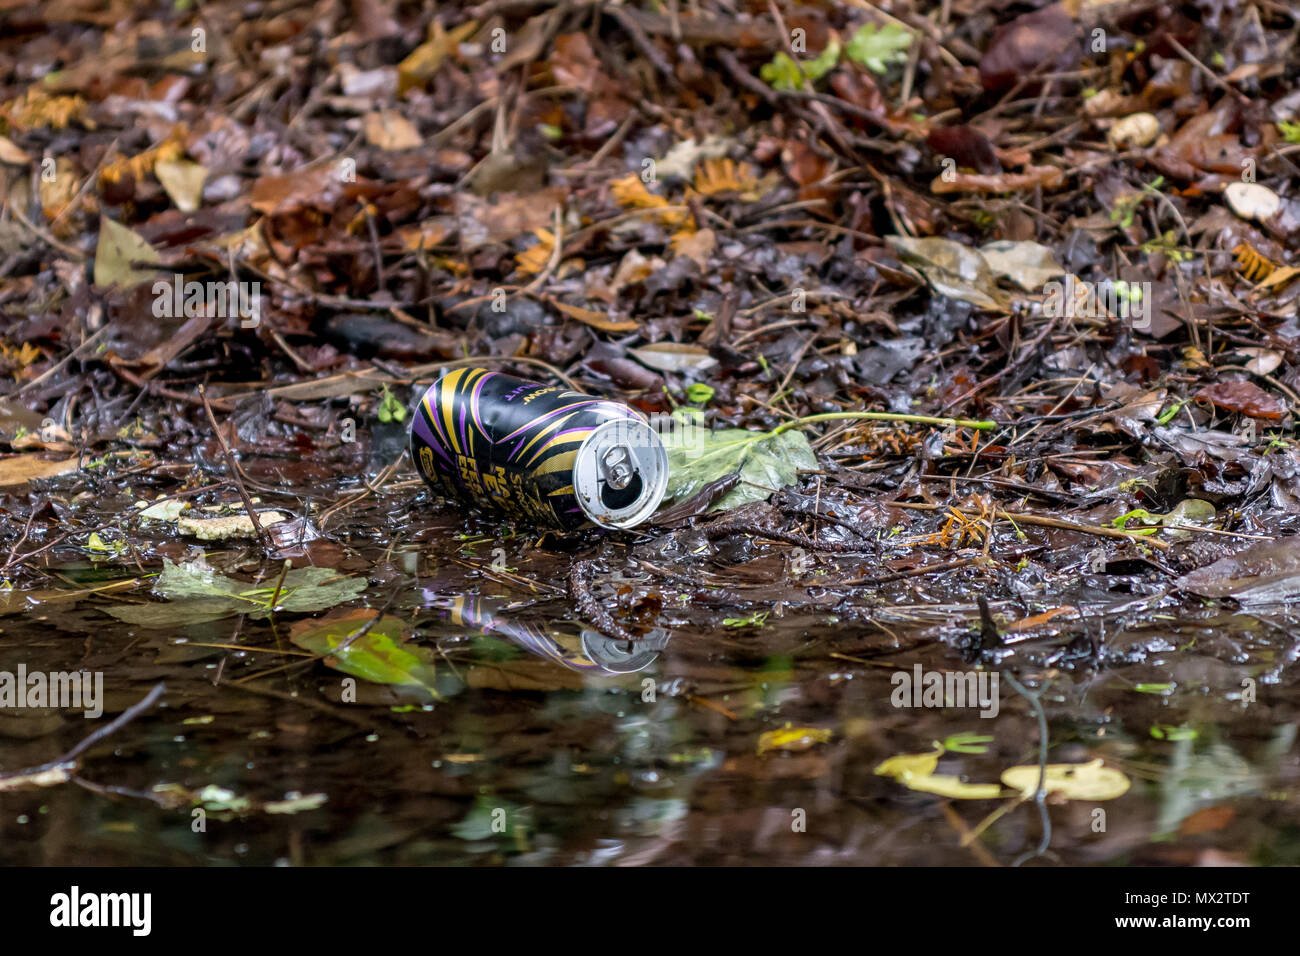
(574, 64)
(967, 146)
(317, 188)
(391, 131)
(597, 320)
(1244, 397)
(1049, 177)
(1045, 41)
(20, 469)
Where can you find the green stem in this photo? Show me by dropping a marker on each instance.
(887, 417)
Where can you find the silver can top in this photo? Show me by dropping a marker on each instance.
(620, 473)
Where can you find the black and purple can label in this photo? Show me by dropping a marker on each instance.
(544, 454)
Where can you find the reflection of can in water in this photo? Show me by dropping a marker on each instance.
(542, 453)
(588, 652)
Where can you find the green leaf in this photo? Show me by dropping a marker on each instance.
(198, 594)
(784, 74)
(876, 47)
(699, 393)
(379, 655)
(766, 462)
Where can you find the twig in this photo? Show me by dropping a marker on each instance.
(235, 473)
(1042, 521)
(58, 770)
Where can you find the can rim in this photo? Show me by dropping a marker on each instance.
(657, 482)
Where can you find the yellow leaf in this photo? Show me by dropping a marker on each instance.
(597, 320)
(418, 68)
(536, 258)
(1075, 781)
(713, 176)
(631, 193)
(905, 766)
(118, 252)
(36, 109)
(916, 772)
(1279, 277)
(138, 167)
(183, 182)
(58, 191)
(794, 739)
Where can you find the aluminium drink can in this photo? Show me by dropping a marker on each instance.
(545, 454)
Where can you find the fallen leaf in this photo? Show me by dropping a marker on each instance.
(194, 593)
(597, 320)
(183, 182)
(951, 269)
(675, 357)
(380, 655)
(117, 253)
(1045, 41)
(792, 739)
(20, 469)
(423, 62)
(390, 130)
(765, 462)
(1074, 781)
(1033, 177)
(11, 154)
(1247, 398)
(1029, 265)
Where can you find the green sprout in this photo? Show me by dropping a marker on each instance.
(390, 409)
(699, 393)
(757, 619)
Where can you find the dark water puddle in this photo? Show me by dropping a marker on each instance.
(555, 744)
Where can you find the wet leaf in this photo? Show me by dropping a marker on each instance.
(1074, 781)
(951, 269)
(765, 462)
(792, 739)
(380, 655)
(1247, 398)
(1264, 572)
(966, 146)
(195, 594)
(20, 469)
(916, 772)
(1029, 265)
(117, 253)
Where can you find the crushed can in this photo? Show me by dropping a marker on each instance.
(545, 454)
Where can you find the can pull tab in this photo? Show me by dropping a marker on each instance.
(616, 467)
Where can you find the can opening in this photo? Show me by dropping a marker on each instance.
(619, 498)
(620, 473)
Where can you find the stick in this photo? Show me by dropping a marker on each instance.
(234, 473)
